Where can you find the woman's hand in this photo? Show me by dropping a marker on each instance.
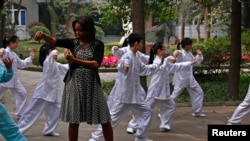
(8, 63)
(68, 55)
(38, 36)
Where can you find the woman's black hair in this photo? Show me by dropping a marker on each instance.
(133, 38)
(87, 25)
(184, 42)
(44, 51)
(153, 51)
(7, 40)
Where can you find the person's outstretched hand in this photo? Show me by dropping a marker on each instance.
(38, 36)
(32, 52)
(8, 63)
(68, 55)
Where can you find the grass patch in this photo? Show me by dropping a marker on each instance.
(215, 91)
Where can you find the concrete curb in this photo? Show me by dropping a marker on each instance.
(217, 103)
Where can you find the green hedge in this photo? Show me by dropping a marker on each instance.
(34, 29)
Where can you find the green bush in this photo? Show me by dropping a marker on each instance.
(215, 91)
(36, 60)
(34, 29)
(99, 33)
(109, 45)
(62, 60)
(245, 36)
(215, 52)
(30, 25)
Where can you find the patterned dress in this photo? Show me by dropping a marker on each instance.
(83, 98)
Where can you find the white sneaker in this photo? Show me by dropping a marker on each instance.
(131, 130)
(165, 129)
(142, 139)
(198, 115)
(53, 134)
(230, 123)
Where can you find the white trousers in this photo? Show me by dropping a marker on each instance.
(166, 107)
(242, 110)
(33, 112)
(196, 94)
(20, 95)
(120, 110)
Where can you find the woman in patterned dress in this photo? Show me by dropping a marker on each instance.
(83, 99)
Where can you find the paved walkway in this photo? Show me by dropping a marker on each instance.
(184, 128)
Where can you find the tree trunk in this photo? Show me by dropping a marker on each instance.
(198, 30)
(71, 9)
(182, 27)
(235, 51)
(53, 19)
(68, 16)
(207, 12)
(2, 21)
(12, 31)
(138, 22)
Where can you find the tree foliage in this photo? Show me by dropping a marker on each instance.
(115, 10)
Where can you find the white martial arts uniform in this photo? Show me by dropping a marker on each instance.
(241, 111)
(186, 79)
(159, 91)
(127, 95)
(118, 53)
(46, 98)
(14, 85)
(144, 58)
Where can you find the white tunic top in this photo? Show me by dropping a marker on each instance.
(185, 77)
(17, 63)
(118, 53)
(128, 88)
(159, 84)
(49, 88)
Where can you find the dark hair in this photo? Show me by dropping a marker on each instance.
(184, 42)
(87, 25)
(133, 38)
(6, 41)
(44, 51)
(153, 51)
(125, 42)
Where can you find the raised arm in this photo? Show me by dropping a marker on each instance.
(40, 35)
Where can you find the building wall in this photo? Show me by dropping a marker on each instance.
(32, 11)
(190, 31)
(31, 15)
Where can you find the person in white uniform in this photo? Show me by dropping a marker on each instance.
(118, 52)
(14, 85)
(47, 95)
(159, 88)
(186, 79)
(127, 91)
(241, 112)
